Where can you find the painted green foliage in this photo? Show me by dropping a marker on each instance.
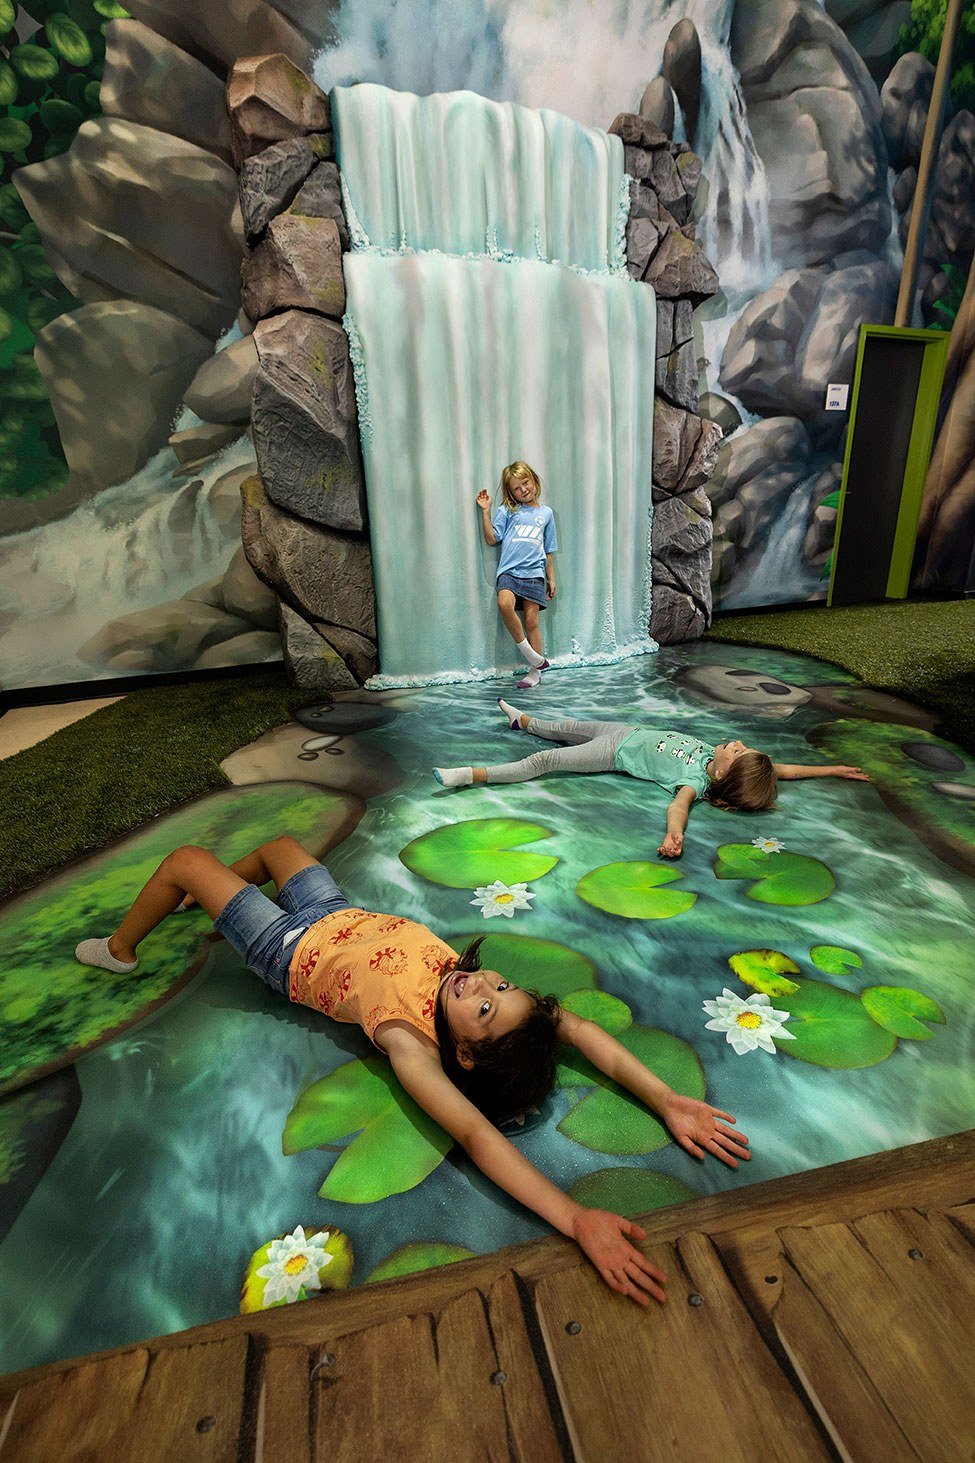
(396, 1144)
(765, 971)
(629, 1191)
(478, 851)
(611, 1120)
(49, 86)
(418, 1255)
(901, 1010)
(635, 890)
(778, 878)
(834, 960)
(538, 965)
(49, 1004)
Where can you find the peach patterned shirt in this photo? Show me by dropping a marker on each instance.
(369, 968)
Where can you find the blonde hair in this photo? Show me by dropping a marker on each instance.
(749, 784)
(518, 472)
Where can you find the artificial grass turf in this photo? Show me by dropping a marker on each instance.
(923, 650)
(125, 764)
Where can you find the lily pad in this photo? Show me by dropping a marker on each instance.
(478, 851)
(539, 965)
(764, 970)
(781, 878)
(832, 1029)
(611, 1120)
(834, 960)
(335, 1275)
(634, 890)
(396, 1145)
(629, 1191)
(419, 1255)
(901, 1010)
(614, 1016)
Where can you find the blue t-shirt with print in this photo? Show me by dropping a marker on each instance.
(669, 758)
(526, 535)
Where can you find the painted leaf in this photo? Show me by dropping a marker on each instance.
(781, 878)
(466, 855)
(538, 965)
(901, 1010)
(14, 134)
(354, 1094)
(634, 890)
(610, 1120)
(68, 39)
(629, 1191)
(614, 1016)
(333, 1276)
(418, 1255)
(765, 970)
(834, 960)
(392, 1154)
(832, 500)
(8, 85)
(832, 1029)
(34, 62)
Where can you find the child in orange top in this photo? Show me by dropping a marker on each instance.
(471, 1048)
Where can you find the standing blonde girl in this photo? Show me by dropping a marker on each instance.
(525, 529)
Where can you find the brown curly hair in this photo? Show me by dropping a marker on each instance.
(511, 1073)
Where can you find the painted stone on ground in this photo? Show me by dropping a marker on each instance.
(346, 764)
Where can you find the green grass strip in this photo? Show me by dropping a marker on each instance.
(112, 771)
(919, 649)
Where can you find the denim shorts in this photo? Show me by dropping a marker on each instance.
(530, 589)
(265, 934)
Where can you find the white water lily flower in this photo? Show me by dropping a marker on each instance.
(499, 898)
(748, 1024)
(768, 845)
(294, 1262)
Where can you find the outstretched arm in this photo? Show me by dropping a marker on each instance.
(603, 1237)
(695, 1125)
(789, 771)
(678, 812)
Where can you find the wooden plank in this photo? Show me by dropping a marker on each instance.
(939, 1172)
(691, 1379)
(78, 1414)
(191, 1403)
(961, 1219)
(904, 1323)
(447, 1369)
(282, 1425)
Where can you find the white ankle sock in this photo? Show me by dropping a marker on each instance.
(512, 713)
(96, 952)
(454, 776)
(533, 678)
(532, 656)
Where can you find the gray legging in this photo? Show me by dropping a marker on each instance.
(592, 748)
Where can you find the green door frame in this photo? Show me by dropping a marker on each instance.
(918, 451)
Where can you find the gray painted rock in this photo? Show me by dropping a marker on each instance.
(128, 357)
(197, 444)
(682, 68)
(952, 216)
(148, 79)
(313, 665)
(904, 100)
(679, 269)
(962, 790)
(657, 105)
(675, 616)
(224, 498)
(344, 718)
(675, 435)
(222, 387)
(814, 115)
(719, 409)
(321, 197)
(255, 647)
(243, 594)
(877, 38)
(703, 458)
(756, 470)
(297, 265)
(220, 33)
(130, 212)
(326, 574)
(269, 99)
(268, 181)
(634, 131)
(821, 525)
(933, 755)
(168, 637)
(304, 422)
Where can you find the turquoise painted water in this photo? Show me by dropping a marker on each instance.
(172, 1174)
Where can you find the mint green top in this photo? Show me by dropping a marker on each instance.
(668, 758)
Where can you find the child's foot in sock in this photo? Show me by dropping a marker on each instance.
(454, 776)
(533, 657)
(512, 713)
(97, 953)
(533, 678)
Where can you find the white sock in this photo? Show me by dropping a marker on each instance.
(454, 776)
(96, 952)
(512, 713)
(533, 678)
(528, 653)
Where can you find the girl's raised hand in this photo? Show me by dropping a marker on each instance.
(695, 1126)
(605, 1239)
(483, 499)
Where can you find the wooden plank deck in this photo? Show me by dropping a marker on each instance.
(822, 1316)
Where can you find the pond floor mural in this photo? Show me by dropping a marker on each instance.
(181, 1142)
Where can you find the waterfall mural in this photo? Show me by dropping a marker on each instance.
(121, 247)
(487, 239)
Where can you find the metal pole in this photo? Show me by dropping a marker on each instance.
(929, 151)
